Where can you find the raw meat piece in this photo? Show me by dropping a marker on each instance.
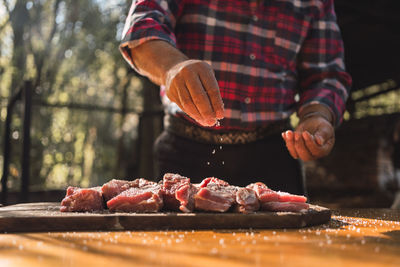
(178, 192)
(145, 199)
(215, 195)
(287, 197)
(82, 199)
(278, 201)
(246, 200)
(266, 194)
(185, 195)
(115, 187)
(284, 206)
(213, 180)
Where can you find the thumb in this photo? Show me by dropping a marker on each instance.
(319, 139)
(321, 136)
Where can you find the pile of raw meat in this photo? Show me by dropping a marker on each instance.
(175, 193)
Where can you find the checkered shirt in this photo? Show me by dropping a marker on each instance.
(270, 58)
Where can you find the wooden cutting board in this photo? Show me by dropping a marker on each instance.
(46, 217)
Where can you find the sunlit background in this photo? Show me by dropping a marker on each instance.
(85, 120)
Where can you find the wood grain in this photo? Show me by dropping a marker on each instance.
(46, 217)
(361, 238)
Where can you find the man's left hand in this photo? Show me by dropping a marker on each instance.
(314, 138)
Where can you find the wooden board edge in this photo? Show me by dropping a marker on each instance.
(168, 221)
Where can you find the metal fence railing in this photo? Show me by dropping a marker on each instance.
(26, 97)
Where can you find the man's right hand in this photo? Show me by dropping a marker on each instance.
(191, 84)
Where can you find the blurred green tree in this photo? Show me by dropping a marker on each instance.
(82, 131)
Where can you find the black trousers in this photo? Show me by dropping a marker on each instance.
(266, 161)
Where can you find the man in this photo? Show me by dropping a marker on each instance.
(231, 74)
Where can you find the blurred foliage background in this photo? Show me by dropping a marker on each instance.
(86, 99)
(89, 115)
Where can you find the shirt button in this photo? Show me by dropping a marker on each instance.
(252, 56)
(247, 100)
(255, 18)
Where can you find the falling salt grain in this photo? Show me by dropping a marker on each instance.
(221, 241)
(363, 242)
(220, 147)
(274, 233)
(208, 163)
(213, 151)
(223, 162)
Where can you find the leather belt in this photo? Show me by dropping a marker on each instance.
(183, 128)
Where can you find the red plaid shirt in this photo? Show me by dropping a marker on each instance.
(270, 59)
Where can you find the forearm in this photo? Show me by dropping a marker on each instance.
(154, 58)
(321, 69)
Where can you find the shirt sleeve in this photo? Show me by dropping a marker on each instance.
(149, 20)
(322, 75)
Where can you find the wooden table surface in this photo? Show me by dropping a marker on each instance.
(352, 238)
